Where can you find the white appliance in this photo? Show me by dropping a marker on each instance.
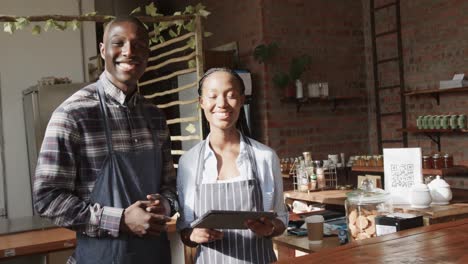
(39, 102)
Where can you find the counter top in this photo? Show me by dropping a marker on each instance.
(335, 197)
(36, 242)
(35, 235)
(445, 243)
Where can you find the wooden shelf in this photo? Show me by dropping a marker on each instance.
(334, 99)
(456, 170)
(417, 130)
(433, 134)
(436, 92)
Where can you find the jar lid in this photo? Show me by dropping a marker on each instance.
(420, 187)
(438, 182)
(446, 155)
(367, 194)
(426, 156)
(437, 155)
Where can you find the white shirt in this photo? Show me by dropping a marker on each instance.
(269, 175)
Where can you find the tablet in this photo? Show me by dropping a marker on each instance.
(221, 219)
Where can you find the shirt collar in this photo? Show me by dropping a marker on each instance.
(116, 94)
(209, 152)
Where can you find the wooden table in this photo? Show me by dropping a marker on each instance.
(439, 243)
(43, 241)
(334, 197)
(432, 215)
(36, 242)
(286, 245)
(437, 213)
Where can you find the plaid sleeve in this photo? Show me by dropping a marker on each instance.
(54, 188)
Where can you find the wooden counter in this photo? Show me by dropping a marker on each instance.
(287, 244)
(437, 213)
(439, 243)
(42, 241)
(432, 215)
(36, 242)
(335, 197)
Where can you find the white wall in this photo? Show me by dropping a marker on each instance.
(25, 59)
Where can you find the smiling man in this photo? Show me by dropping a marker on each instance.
(105, 167)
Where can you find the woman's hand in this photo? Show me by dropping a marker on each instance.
(205, 235)
(265, 227)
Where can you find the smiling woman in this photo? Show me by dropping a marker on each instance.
(229, 171)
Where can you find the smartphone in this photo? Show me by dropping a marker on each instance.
(298, 231)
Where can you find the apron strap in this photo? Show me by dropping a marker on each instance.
(253, 163)
(153, 135)
(102, 98)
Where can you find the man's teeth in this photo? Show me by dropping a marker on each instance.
(126, 66)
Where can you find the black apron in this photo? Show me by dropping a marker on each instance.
(237, 245)
(125, 178)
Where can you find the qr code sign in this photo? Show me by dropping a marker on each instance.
(402, 175)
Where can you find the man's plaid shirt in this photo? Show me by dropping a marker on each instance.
(74, 149)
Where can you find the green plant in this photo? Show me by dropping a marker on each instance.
(264, 52)
(281, 80)
(298, 66)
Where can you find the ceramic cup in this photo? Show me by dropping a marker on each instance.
(461, 120)
(437, 121)
(430, 122)
(453, 121)
(444, 121)
(424, 122)
(419, 122)
(420, 196)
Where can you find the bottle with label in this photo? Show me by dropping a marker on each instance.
(299, 90)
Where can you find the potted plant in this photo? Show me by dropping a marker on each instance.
(265, 52)
(298, 66)
(283, 81)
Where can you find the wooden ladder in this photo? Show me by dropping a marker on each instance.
(393, 90)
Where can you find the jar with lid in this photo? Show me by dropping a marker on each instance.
(302, 178)
(437, 162)
(448, 160)
(426, 162)
(362, 207)
(379, 161)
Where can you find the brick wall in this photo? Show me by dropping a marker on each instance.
(434, 48)
(331, 33)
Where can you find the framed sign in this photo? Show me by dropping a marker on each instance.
(402, 170)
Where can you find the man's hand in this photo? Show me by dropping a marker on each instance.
(158, 204)
(137, 221)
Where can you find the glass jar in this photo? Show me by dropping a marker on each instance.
(379, 161)
(448, 160)
(437, 162)
(426, 162)
(362, 207)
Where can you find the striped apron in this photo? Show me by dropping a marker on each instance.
(237, 245)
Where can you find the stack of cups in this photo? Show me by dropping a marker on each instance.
(315, 229)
